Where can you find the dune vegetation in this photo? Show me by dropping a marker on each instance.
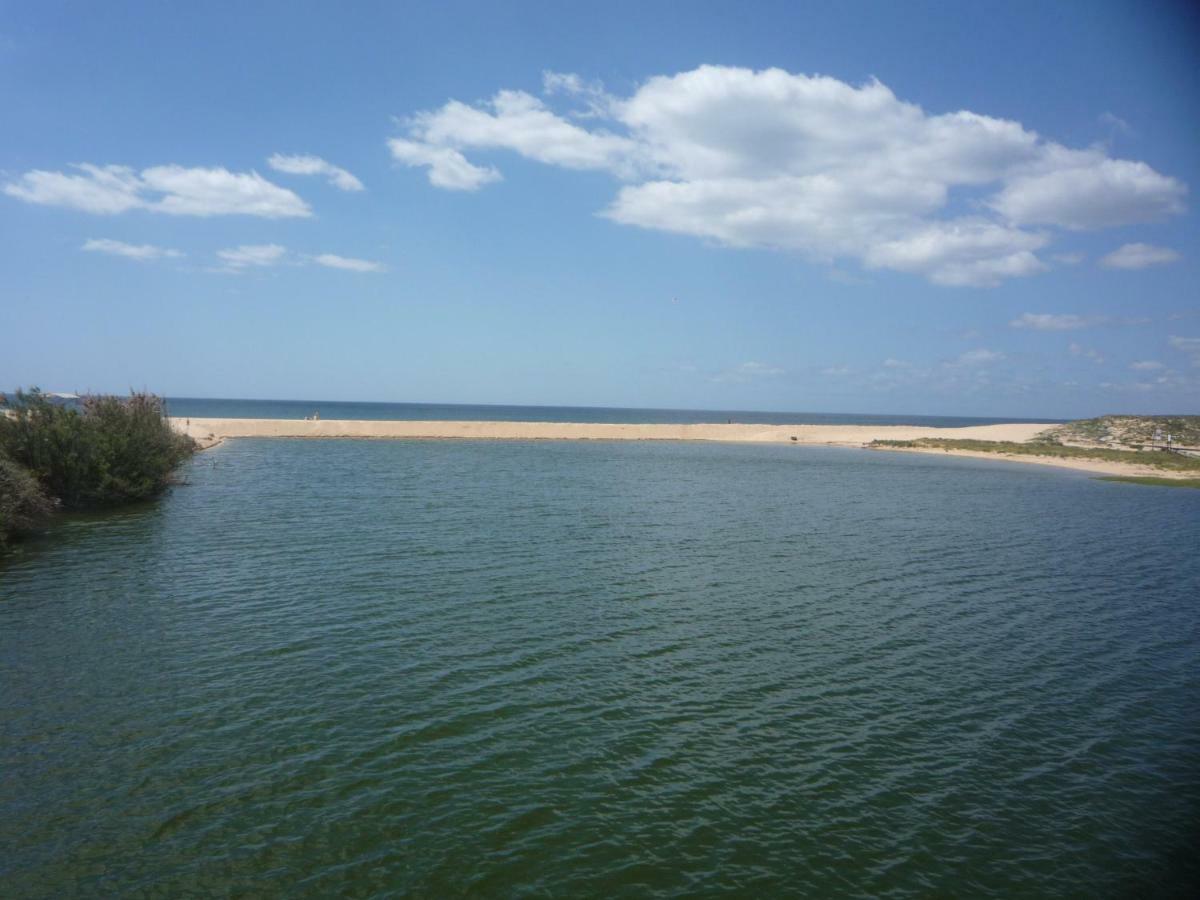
(104, 451)
(1168, 462)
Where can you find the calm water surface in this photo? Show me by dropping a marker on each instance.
(604, 669)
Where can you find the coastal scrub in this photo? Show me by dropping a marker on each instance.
(1171, 462)
(24, 506)
(105, 452)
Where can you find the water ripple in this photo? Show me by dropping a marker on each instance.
(453, 668)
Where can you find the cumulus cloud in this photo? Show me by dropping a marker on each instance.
(140, 252)
(314, 165)
(249, 255)
(801, 163)
(1084, 189)
(448, 168)
(1052, 322)
(174, 190)
(348, 263)
(1138, 256)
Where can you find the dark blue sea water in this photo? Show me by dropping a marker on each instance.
(594, 669)
(298, 409)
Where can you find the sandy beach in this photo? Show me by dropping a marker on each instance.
(211, 432)
(840, 435)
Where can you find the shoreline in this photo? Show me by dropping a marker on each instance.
(210, 433)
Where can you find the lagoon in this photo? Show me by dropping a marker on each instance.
(451, 667)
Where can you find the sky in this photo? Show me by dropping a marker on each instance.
(910, 208)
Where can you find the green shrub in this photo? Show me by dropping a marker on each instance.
(1172, 461)
(23, 504)
(111, 451)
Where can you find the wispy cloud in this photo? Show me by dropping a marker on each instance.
(978, 357)
(252, 255)
(1114, 123)
(1054, 321)
(1146, 365)
(141, 252)
(1086, 352)
(314, 165)
(348, 263)
(174, 190)
(1187, 345)
(689, 151)
(1138, 256)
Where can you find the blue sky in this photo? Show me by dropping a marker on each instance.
(973, 209)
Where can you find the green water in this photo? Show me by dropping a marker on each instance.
(605, 669)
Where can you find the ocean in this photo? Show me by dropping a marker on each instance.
(447, 668)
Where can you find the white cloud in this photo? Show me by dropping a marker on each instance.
(1146, 365)
(747, 371)
(248, 255)
(349, 263)
(836, 371)
(891, 363)
(517, 121)
(104, 190)
(807, 164)
(1188, 345)
(139, 252)
(448, 168)
(174, 190)
(1114, 123)
(979, 357)
(1084, 189)
(963, 253)
(1053, 322)
(1138, 256)
(314, 165)
(599, 102)
(1086, 352)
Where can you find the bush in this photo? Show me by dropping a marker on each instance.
(113, 450)
(23, 504)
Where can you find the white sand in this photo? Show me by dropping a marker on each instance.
(211, 432)
(842, 435)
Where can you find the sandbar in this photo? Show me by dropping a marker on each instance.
(838, 435)
(212, 432)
